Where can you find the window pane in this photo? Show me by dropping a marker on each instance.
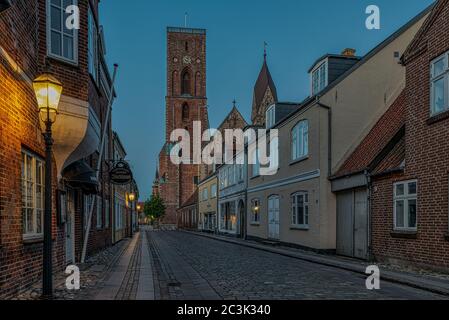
(39, 221)
(56, 22)
(56, 43)
(306, 212)
(412, 213)
(68, 47)
(412, 188)
(438, 96)
(400, 190)
(29, 227)
(400, 214)
(66, 16)
(67, 3)
(56, 2)
(439, 67)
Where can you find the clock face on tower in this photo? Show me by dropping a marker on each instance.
(187, 60)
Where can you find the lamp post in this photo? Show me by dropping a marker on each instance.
(48, 93)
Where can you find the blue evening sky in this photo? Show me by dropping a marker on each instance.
(297, 33)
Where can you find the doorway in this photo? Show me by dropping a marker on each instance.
(352, 223)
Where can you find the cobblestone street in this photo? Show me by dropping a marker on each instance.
(192, 267)
(168, 265)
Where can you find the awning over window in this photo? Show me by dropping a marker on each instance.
(80, 175)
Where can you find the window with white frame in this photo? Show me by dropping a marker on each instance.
(213, 191)
(62, 41)
(32, 195)
(255, 211)
(99, 212)
(319, 78)
(405, 205)
(300, 209)
(440, 84)
(300, 140)
(270, 117)
(93, 46)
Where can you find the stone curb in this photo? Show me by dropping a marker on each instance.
(424, 283)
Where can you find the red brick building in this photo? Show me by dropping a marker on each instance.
(32, 42)
(186, 102)
(405, 157)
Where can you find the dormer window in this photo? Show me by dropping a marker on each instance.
(319, 78)
(270, 117)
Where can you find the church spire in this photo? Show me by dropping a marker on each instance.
(265, 92)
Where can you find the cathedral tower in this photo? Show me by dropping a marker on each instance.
(186, 102)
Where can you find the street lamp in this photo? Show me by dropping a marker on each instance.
(48, 93)
(131, 197)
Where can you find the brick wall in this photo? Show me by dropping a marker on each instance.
(427, 154)
(179, 180)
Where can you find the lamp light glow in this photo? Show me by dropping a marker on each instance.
(48, 92)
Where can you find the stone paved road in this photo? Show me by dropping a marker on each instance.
(186, 266)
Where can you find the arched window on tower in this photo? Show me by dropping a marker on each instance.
(185, 111)
(185, 83)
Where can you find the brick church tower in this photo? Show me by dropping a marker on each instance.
(186, 102)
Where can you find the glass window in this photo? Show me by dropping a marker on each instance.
(62, 42)
(319, 78)
(93, 46)
(300, 209)
(32, 195)
(270, 117)
(213, 191)
(439, 85)
(300, 140)
(405, 205)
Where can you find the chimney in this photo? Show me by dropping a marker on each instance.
(348, 52)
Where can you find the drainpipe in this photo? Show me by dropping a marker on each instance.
(329, 132)
(370, 192)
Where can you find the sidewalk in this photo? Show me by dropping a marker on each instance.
(425, 282)
(132, 277)
(121, 272)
